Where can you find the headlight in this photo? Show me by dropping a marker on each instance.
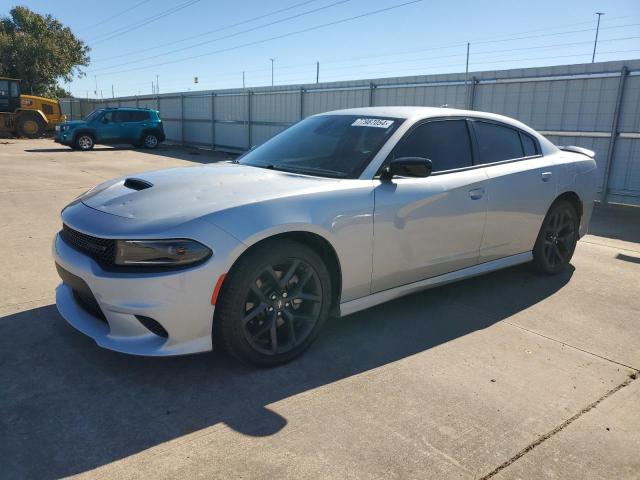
(174, 252)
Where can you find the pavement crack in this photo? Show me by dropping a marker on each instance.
(573, 346)
(632, 376)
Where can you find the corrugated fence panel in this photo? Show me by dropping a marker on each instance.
(324, 101)
(197, 132)
(170, 107)
(232, 135)
(428, 96)
(197, 107)
(276, 107)
(625, 171)
(231, 107)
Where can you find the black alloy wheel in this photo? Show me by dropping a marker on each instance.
(273, 303)
(557, 238)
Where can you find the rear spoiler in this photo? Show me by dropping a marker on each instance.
(574, 149)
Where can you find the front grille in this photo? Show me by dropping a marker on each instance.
(100, 249)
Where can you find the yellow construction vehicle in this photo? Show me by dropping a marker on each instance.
(26, 115)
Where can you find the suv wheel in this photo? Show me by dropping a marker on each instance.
(150, 141)
(84, 142)
(273, 303)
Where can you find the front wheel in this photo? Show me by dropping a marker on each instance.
(557, 239)
(273, 303)
(84, 142)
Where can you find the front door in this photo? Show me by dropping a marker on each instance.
(424, 227)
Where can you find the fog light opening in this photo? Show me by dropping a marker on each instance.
(153, 326)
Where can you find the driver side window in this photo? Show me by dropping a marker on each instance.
(445, 142)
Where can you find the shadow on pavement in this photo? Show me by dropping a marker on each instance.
(68, 406)
(617, 222)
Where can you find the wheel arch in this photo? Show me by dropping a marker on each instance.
(574, 199)
(23, 112)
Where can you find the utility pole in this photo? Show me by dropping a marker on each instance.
(113, 94)
(95, 91)
(595, 43)
(242, 79)
(157, 84)
(317, 72)
(272, 59)
(466, 70)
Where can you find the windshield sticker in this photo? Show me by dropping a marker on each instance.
(372, 122)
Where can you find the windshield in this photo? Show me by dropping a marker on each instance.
(92, 116)
(338, 146)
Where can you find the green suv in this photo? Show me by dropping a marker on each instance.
(137, 126)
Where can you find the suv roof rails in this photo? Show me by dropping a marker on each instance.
(574, 149)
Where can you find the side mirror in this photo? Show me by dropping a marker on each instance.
(407, 167)
(105, 120)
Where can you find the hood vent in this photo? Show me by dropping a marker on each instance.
(137, 184)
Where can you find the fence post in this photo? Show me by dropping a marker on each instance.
(624, 73)
(137, 102)
(472, 93)
(249, 93)
(372, 87)
(213, 121)
(301, 103)
(182, 118)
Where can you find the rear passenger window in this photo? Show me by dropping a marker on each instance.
(497, 143)
(446, 143)
(529, 145)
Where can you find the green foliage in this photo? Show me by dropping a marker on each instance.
(40, 51)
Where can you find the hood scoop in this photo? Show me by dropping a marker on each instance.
(137, 184)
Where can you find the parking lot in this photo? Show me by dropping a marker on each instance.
(509, 375)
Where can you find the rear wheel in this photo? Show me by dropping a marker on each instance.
(557, 239)
(84, 142)
(150, 140)
(273, 303)
(30, 125)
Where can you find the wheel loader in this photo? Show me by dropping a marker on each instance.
(26, 115)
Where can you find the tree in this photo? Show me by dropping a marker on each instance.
(40, 51)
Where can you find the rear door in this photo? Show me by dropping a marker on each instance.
(424, 227)
(133, 124)
(522, 186)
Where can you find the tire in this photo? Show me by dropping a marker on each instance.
(557, 239)
(150, 141)
(84, 142)
(273, 303)
(30, 125)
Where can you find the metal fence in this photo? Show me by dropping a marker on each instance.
(595, 105)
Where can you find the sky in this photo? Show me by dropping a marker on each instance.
(216, 41)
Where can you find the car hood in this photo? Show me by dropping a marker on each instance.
(182, 194)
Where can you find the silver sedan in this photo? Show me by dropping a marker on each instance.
(340, 212)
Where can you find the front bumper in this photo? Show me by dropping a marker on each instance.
(64, 138)
(180, 301)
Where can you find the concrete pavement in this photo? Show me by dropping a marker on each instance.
(510, 375)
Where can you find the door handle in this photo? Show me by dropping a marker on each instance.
(546, 176)
(476, 193)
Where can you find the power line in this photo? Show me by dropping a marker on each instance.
(134, 26)
(253, 19)
(224, 37)
(119, 14)
(276, 37)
